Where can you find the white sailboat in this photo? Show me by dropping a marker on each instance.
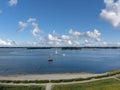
(56, 52)
(64, 55)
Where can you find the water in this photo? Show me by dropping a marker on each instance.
(35, 61)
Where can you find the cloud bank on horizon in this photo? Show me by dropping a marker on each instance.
(72, 38)
(110, 13)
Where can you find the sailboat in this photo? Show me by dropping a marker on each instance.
(64, 54)
(50, 59)
(56, 52)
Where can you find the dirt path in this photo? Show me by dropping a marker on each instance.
(49, 86)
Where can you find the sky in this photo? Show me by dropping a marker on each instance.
(59, 22)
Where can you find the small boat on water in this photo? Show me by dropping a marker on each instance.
(50, 60)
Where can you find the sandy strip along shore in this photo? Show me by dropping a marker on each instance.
(47, 76)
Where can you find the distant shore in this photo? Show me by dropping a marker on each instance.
(70, 48)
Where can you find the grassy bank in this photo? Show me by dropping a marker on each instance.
(110, 84)
(109, 74)
(2, 87)
(88, 78)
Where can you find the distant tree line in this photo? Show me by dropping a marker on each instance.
(65, 48)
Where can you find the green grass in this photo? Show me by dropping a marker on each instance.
(2, 87)
(110, 84)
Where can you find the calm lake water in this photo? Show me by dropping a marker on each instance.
(35, 61)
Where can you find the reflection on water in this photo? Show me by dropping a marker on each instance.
(34, 61)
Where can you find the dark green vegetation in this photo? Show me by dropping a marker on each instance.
(73, 48)
(110, 84)
(2, 87)
(24, 81)
(65, 48)
(79, 79)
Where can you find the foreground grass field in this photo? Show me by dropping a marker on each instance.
(110, 84)
(2, 87)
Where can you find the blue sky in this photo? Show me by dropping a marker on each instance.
(59, 22)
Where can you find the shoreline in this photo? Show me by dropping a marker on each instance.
(48, 76)
(54, 76)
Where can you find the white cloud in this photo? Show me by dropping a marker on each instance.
(31, 23)
(31, 20)
(12, 2)
(2, 42)
(71, 40)
(75, 33)
(95, 43)
(53, 40)
(89, 34)
(95, 34)
(66, 40)
(50, 37)
(63, 40)
(88, 43)
(117, 44)
(7, 43)
(98, 40)
(65, 37)
(112, 12)
(22, 25)
(76, 43)
(35, 29)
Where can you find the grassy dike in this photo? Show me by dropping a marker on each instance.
(113, 73)
(108, 84)
(89, 78)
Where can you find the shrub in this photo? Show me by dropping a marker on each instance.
(67, 80)
(56, 81)
(102, 76)
(41, 81)
(25, 81)
(79, 79)
(5, 81)
(16, 81)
